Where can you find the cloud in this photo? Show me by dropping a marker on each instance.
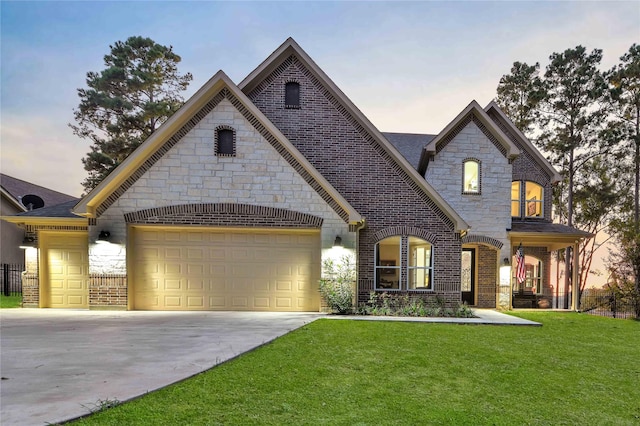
(37, 150)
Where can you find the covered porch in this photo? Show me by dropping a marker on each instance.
(530, 283)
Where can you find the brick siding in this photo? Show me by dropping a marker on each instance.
(360, 169)
(487, 277)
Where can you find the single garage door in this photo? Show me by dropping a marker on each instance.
(67, 268)
(225, 269)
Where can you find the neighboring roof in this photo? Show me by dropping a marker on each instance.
(554, 236)
(60, 210)
(13, 200)
(88, 205)
(18, 188)
(290, 47)
(473, 110)
(525, 142)
(410, 145)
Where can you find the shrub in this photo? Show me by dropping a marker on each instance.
(337, 284)
(385, 304)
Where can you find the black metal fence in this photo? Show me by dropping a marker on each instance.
(607, 303)
(11, 278)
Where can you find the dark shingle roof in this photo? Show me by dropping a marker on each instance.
(19, 188)
(409, 144)
(548, 228)
(60, 210)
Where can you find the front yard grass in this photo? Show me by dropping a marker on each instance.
(11, 301)
(576, 369)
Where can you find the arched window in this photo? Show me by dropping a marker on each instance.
(292, 95)
(225, 141)
(393, 271)
(471, 176)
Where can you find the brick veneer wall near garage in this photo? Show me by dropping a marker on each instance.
(355, 163)
(107, 291)
(488, 212)
(487, 277)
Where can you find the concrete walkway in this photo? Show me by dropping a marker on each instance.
(58, 364)
(483, 317)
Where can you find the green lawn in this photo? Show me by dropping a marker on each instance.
(13, 301)
(576, 369)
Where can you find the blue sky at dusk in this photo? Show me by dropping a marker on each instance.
(409, 66)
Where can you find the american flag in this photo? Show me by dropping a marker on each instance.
(520, 270)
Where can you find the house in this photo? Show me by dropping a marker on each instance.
(18, 196)
(233, 203)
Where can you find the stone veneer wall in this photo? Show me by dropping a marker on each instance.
(190, 174)
(488, 212)
(487, 277)
(362, 171)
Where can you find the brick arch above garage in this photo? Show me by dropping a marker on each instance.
(224, 214)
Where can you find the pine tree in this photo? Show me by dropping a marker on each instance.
(126, 102)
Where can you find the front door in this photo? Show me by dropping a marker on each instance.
(468, 276)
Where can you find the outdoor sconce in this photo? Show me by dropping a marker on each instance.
(104, 236)
(28, 242)
(338, 241)
(505, 261)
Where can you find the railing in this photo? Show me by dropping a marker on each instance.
(608, 303)
(11, 278)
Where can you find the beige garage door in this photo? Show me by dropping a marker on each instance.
(67, 269)
(205, 269)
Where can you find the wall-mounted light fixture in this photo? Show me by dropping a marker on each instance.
(28, 242)
(338, 241)
(505, 261)
(103, 236)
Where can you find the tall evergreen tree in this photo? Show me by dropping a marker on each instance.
(126, 102)
(571, 119)
(624, 80)
(519, 95)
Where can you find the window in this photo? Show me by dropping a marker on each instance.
(390, 271)
(533, 276)
(532, 205)
(388, 263)
(420, 264)
(515, 199)
(292, 95)
(533, 199)
(225, 142)
(471, 177)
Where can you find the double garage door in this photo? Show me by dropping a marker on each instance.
(225, 269)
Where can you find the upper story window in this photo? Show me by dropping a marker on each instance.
(471, 177)
(411, 272)
(225, 141)
(528, 203)
(292, 95)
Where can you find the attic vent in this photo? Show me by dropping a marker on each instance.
(292, 95)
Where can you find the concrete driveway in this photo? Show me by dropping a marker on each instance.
(58, 364)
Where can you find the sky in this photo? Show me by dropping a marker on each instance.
(408, 66)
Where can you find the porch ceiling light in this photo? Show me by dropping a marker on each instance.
(28, 242)
(338, 241)
(104, 236)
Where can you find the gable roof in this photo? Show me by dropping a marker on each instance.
(473, 112)
(15, 189)
(290, 47)
(524, 141)
(410, 145)
(153, 148)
